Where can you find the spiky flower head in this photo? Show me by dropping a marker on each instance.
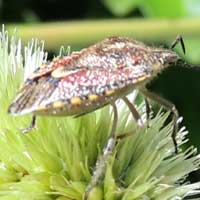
(56, 160)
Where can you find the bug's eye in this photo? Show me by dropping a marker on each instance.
(169, 57)
(161, 61)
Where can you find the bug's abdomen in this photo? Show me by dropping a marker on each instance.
(75, 92)
(79, 105)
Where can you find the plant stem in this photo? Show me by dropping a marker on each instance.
(82, 33)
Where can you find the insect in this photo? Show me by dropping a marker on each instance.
(94, 77)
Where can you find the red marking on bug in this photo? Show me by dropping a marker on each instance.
(136, 59)
(49, 67)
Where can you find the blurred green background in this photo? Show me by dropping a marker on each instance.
(83, 22)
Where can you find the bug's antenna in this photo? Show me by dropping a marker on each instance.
(178, 39)
(182, 62)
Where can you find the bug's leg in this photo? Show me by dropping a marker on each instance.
(102, 161)
(168, 105)
(178, 39)
(148, 109)
(32, 125)
(135, 115)
(134, 112)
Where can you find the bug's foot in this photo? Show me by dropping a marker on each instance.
(140, 123)
(31, 127)
(27, 130)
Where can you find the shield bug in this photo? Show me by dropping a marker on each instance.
(94, 77)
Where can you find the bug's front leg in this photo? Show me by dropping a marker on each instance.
(31, 126)
(168, 105)
(134, 112)
(135, 115)
(103, 160)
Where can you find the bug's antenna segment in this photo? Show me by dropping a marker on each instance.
(179, 39)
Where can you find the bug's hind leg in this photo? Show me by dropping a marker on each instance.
(32, 125)
(101, 163)
(148, 109)
(168, 105)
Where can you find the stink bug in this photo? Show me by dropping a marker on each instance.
(94, 77)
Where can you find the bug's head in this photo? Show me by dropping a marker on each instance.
(164, 58)
(168, 57)
(171, 58)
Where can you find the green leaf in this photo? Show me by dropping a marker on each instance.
(110, 186)
(157, 8)
(121, 7)
(62, 186)
(192, 7)
(171, 8)
(25, 190)
(96, 194)
(192, 50)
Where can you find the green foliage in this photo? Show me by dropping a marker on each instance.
(155, 8)
(170, 8)
(121, 8)
(55, 160)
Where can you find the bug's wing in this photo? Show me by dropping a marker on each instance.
(80, 83)
(41, 71)
(31, 94)
(48, 67)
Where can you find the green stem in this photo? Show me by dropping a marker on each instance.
(82, 33)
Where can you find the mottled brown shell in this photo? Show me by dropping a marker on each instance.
(91, 78)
